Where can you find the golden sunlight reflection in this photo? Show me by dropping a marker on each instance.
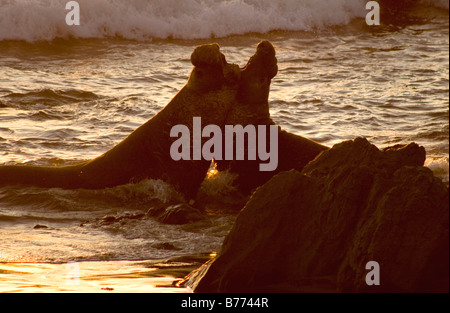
(213, 254)
(212, 170)
(117, 276)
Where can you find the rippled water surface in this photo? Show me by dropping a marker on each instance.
(67, 100)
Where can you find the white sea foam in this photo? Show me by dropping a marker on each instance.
(439, 166)
(183, 19)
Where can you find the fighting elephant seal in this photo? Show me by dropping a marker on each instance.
(252, 108)
(145, 153)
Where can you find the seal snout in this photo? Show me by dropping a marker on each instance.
(263, 62)
(266, 49)
(207, 56)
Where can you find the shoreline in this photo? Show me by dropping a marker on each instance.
(144, 276)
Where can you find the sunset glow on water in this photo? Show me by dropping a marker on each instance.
(70, 95)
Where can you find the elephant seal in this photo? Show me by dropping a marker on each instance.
(252, 108)
(145, 153)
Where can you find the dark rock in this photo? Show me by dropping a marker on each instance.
(38, 226)
(316, 230)
(108, 220)
(107, 289)
(181, 214)
(164, 246)
(121, 219)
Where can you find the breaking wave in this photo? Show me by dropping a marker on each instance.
(187, 19)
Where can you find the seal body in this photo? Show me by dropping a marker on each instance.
(145, 153)
(252, 108)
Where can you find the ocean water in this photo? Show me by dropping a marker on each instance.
(70, 93)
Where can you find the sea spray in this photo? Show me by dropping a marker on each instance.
(187, 19)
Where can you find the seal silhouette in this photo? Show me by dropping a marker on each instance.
(252, 108)
(209, 93)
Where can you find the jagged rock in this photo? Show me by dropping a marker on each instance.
(316, 230)
(181, 214)
(39, 226)
(164, 246)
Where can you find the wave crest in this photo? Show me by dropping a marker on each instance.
(440, 167)
(187, 19)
